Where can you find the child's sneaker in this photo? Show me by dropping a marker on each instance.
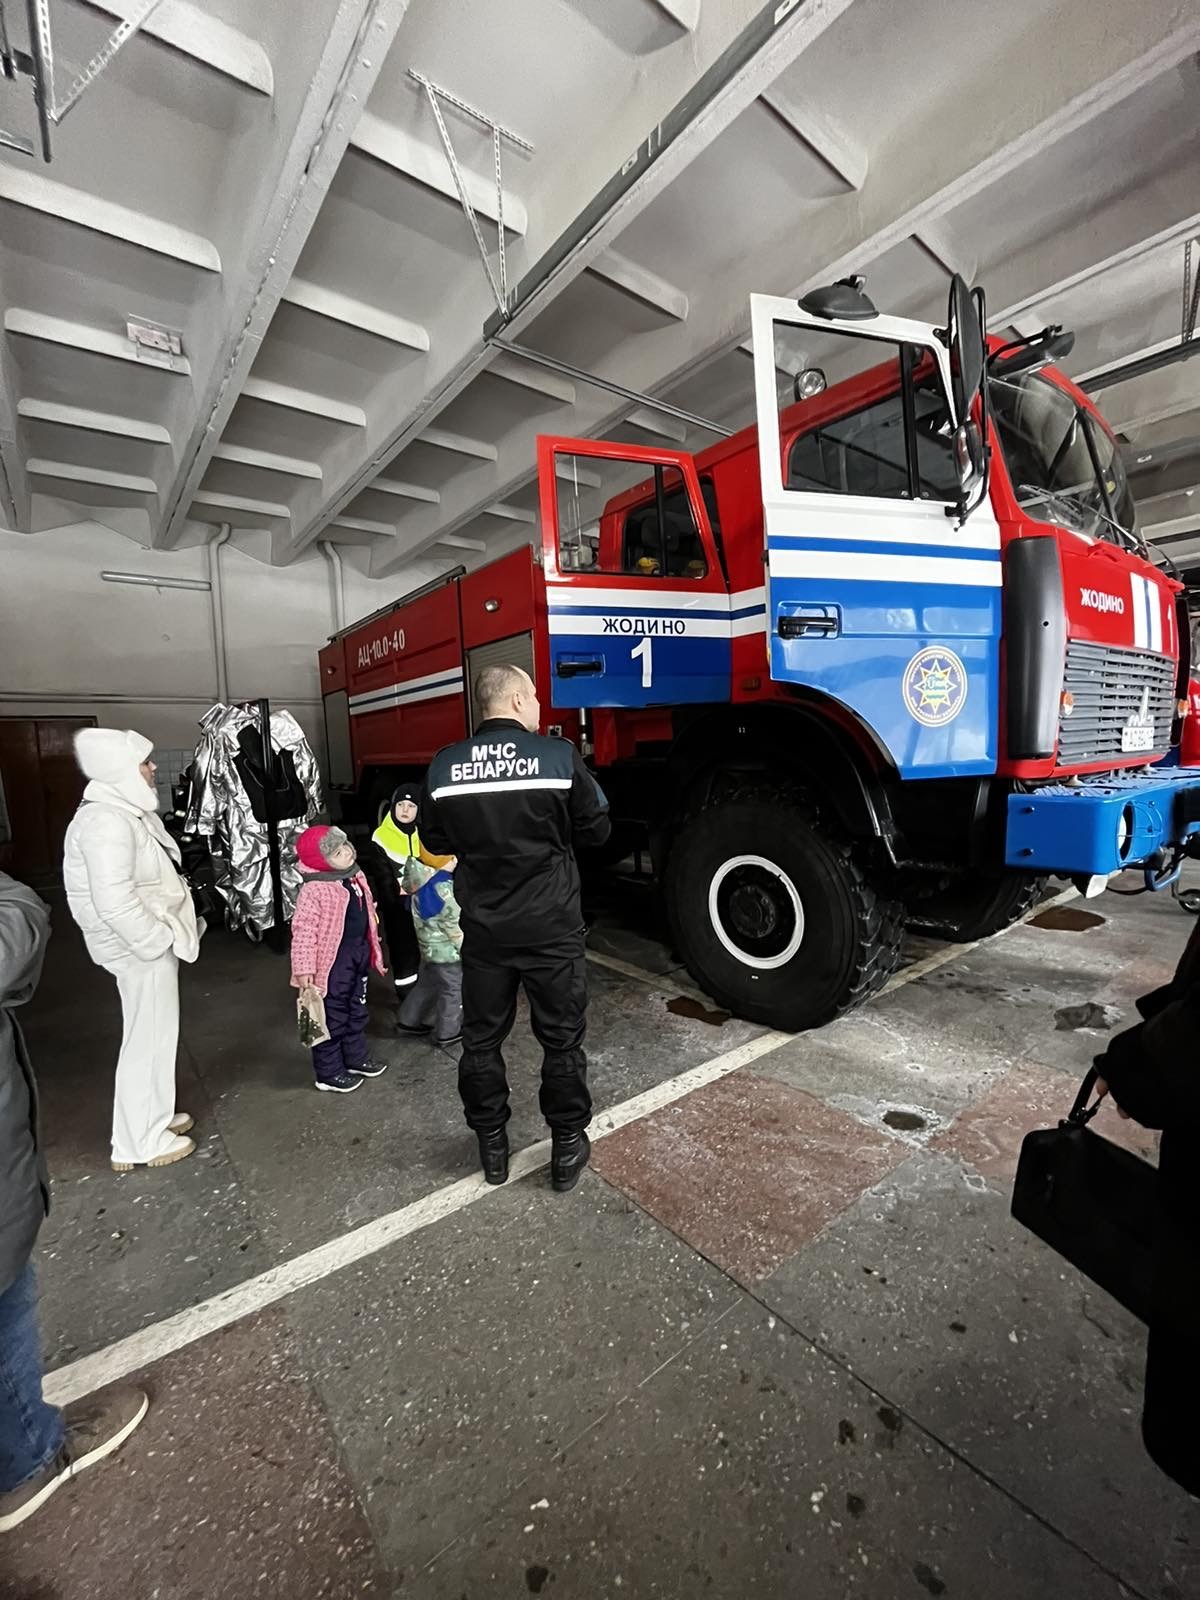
(340, 1083)
(370, 1069)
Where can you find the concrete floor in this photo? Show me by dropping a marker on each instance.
(784, 1339)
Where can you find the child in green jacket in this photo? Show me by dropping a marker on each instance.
(435, 1000)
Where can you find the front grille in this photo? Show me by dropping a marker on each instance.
(1109, 687)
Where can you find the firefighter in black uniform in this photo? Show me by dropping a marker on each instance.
(512, 805)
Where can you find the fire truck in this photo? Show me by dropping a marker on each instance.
(887, 658)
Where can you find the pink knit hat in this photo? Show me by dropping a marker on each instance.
(316, 844)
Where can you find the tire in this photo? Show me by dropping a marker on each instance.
(773, 917)
(972, 908)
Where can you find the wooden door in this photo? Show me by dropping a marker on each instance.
(40, 786)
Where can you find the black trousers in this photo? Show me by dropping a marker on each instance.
(555, 982)
(404, 956)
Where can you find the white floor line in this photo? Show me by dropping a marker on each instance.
(952, 952)
(174, 1333)
(185, 1327)
(662, 981)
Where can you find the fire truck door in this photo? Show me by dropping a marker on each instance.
(879, 594)
(637, 604)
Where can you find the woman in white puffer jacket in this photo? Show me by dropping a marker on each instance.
(138, 922)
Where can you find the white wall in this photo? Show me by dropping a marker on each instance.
(65, 634)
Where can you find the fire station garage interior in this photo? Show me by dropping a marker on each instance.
(800, 394)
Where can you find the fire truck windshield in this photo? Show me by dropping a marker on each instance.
(1065, 467)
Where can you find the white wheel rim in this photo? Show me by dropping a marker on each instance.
(761, 963)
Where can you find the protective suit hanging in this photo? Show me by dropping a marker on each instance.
(229, 801)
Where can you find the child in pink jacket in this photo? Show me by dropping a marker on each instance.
(335, 943)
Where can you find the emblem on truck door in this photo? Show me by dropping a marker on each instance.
(935, 686)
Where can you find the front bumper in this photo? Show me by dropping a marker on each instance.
(1102, 825)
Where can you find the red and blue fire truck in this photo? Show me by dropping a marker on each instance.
(890, 657)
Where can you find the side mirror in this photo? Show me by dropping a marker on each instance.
(969, 458)
(964, 337)
(807, 384)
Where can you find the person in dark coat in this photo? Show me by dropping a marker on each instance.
(394, 844)
(513, 806)
(41, 1447)
(1153, 1074)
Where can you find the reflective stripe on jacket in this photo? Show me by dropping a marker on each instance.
(512, 806)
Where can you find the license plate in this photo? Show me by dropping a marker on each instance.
(1137, 736)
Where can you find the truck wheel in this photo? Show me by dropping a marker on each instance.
(974, 907)
(772, 916)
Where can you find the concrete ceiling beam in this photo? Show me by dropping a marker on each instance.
(750, 65)
(951, 253)
(406, 491)
(305, 158)
(193, 32)
(1138, 353)
(366, 525)
(1072, 260)
(456, 541)
(268, 461)
(425, 163)
(458, 444)
(507, 513)
(316, 405)
(102, 477)
(658, 424)
(356, 314)
(642, 284)
(753, 62)
(80, 336)
(576, 474)
(812, 124)
(35, 192)
(916, 182)
(1160, 396)
(241, 502)
(685, 13)
(92, 421)
(525, 375)
(1161, 532)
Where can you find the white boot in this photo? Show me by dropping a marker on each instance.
(176, 1150)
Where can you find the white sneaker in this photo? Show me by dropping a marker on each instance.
(181, 1122)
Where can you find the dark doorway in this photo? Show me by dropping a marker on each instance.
(40, 786)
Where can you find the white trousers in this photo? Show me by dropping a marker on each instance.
(144, 1102)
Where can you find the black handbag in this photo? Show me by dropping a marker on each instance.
(1092, 1202)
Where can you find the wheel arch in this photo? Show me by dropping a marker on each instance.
(807, 742)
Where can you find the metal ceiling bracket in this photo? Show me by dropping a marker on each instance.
(1191, 292)
(435, 95)
(38, 65)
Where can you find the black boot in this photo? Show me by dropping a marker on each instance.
(568, 1156)
(493, 1156)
